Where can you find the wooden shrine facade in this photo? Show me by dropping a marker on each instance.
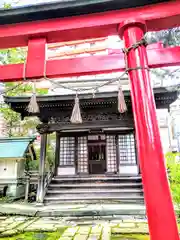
(103, 144)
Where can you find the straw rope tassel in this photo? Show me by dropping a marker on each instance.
(76, 113)
(33, 105)
(122, 107)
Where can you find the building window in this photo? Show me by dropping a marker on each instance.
(67, 151)
(126, 147)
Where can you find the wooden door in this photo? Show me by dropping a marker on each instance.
(97, 157)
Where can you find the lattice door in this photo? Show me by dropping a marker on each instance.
(111, 153)
(67, 151)
(126, 148)
(82, 161)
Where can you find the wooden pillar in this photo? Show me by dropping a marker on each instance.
(40, 190)
(57, 151)
(27, 188)
(159, 206)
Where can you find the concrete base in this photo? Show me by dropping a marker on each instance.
(39, 204)
(16, 191)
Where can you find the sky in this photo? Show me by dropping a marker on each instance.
(24, 2)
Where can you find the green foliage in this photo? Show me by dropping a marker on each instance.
(14, 56)
(13, 120)
(7, 5)
(50, 155)
(169, 37)
(34, 165)
(37, 235)
(173, 165)
(10, 56)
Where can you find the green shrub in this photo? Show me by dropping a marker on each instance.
(173, 165)
(33, 165)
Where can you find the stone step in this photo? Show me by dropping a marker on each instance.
(94, 185)
(96, 178)
(93, 190)
(94, 201)
(137, 216)
(106, 196)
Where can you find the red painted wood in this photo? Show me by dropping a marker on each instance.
(157, 16)
(36, 57)
(157, 57)
(159, 206)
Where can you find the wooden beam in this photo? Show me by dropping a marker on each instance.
(157, 57)
(36, 56)
(157, 17)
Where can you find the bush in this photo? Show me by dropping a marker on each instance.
(173, 165)
(34, 165)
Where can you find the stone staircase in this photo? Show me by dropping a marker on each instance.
(95, 189)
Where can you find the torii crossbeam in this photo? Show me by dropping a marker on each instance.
(130, 24)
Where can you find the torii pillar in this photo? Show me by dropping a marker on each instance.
(159, 206)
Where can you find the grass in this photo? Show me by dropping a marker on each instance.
(130, 237)
(56, 236)
(36, 236)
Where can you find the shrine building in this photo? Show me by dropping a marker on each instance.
(96, 159)
(103, 139)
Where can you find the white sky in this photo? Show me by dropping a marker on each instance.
(25, 2)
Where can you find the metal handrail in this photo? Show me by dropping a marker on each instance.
(32, 177)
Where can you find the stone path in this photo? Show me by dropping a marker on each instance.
(71, 209)
(97, 230)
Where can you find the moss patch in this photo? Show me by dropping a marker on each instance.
(130, 237)
(37, 236)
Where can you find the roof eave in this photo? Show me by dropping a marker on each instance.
(66, 8)
(47, 98)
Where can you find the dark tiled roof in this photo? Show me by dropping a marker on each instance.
(65, 8)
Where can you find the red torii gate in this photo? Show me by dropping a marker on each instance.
(160, 212)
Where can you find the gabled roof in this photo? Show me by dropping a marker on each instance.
(15, 147)
(66, 8)
(17, 100)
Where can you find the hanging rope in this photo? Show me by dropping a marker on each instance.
(122, 107)
(76, 113)
(126, 51)
(33, 105)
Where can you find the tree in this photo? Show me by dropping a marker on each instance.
(12, 119)
(169, 37)
(16, 127)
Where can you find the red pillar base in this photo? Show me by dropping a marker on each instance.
(159, 206)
